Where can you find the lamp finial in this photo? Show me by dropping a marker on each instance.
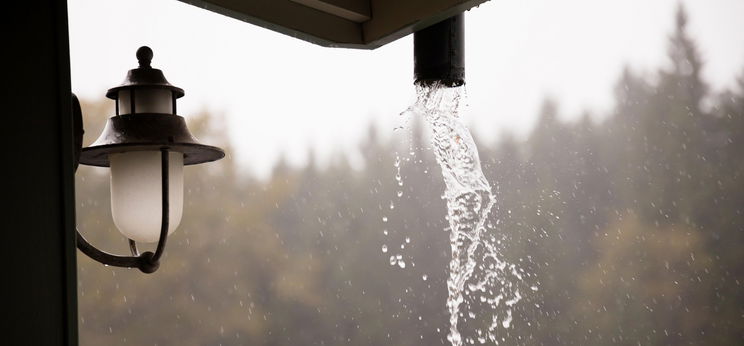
(144, 56)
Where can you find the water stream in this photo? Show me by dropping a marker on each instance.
(482, 287)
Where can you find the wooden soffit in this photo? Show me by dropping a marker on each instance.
(365, 24)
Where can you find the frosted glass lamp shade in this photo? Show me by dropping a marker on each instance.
(146, 100)
(136, 193)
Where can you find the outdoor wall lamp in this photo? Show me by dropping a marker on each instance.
(146, 144)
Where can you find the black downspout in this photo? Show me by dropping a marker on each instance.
(439, 53)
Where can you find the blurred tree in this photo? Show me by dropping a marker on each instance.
(649, 286)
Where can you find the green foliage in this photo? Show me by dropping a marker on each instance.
(633, 227)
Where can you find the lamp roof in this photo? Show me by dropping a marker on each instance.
(148, 132)
(144, 77)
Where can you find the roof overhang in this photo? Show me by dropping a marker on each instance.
(364, 24)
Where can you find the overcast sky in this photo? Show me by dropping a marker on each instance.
(281, 95)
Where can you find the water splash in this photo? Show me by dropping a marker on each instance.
(479, 278)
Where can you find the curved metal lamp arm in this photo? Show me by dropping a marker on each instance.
(107, 258)
(147, 262)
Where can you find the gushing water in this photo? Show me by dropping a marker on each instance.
(480, 280)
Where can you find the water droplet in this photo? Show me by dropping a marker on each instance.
(397, 170)
(424, 277)
(408, 240)
(507, 321)
(393, 260)
(392, 206)
(384, 219)
(384, 248)
(400, 193)
(385, 232)
(402, 264)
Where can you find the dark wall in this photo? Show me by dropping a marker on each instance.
(38, 220)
